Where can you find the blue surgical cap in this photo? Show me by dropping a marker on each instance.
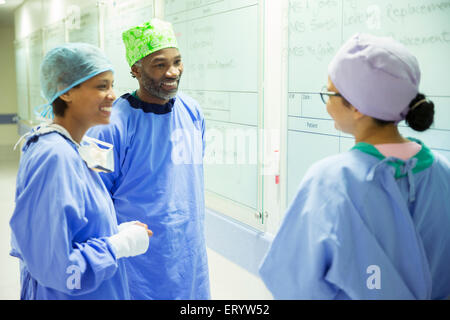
(65, 67)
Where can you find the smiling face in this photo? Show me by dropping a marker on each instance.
(91, 103)
(159, 74)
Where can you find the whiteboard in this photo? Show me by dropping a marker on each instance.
(118, 17)
(318, 28)
(21, 56)
(218, 41)
(35, 56)
(85, 28)
(54, 35)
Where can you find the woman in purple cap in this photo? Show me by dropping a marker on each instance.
(373, 222)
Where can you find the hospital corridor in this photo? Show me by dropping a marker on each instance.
(224, 150)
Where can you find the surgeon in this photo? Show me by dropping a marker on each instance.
(373, 222)
(157, 133)
(64, 226)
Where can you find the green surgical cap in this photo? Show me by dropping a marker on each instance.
(149, 37)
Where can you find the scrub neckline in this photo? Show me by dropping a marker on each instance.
(424, 157)
(137, 103)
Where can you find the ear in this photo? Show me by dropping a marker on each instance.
(136, 71)
(66, 97)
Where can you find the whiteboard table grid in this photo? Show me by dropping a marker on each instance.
(316, 31)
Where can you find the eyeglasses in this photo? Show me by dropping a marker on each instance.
(325, 95)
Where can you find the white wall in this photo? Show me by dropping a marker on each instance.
(9, 266)
(8, 103)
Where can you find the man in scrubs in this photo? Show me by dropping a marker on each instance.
(373, 222)
(157, 133)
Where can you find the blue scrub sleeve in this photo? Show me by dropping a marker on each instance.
(48, 215)
(299, 258)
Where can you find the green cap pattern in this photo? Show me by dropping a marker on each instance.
(149, 37)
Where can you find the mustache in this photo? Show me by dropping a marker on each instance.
(170, 80)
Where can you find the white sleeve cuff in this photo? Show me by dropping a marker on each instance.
(125, 225)
(129, 242)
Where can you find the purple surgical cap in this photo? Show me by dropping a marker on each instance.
(377, 75)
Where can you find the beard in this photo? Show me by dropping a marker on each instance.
(155, 89)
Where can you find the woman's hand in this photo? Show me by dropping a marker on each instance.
(149, 232)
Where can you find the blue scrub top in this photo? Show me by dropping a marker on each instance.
(363, 226)
(60, 225)
(158, 179)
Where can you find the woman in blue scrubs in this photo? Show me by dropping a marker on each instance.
(373, 222)
(64, 227)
